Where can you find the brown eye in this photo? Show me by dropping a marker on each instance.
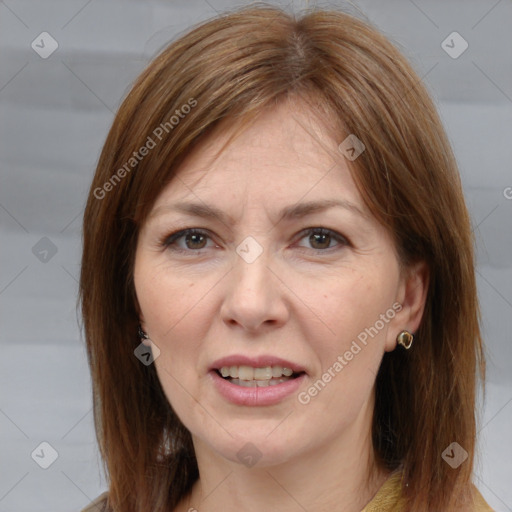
(195, 240)
(321, 239)
(186, 240)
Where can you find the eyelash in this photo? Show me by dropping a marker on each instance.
(167, 241)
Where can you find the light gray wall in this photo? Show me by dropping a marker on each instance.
(54, 115)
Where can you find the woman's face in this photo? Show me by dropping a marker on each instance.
(275, 282)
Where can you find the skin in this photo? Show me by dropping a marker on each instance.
(304, 299)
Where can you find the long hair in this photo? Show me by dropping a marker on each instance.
(233, 68)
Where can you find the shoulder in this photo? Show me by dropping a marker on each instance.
(480, 504)
(389, 499)
(98, 505)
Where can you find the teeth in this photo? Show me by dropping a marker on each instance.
(245, 373)
(258, 383)
(277, 371)
(248, 373)
(263, 373)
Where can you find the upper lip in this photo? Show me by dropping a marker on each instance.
(256, 362)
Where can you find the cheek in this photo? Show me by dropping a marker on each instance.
(175, 317)
(352, 310)
(165, 299)
(349, 357)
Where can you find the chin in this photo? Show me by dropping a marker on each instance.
(256, 449)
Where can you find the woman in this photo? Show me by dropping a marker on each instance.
(278, 285)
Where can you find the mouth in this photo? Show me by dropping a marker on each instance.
(261, 377)
(263, 380)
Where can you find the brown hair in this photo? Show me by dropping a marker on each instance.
(234, 67)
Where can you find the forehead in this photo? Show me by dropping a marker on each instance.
(287, 151)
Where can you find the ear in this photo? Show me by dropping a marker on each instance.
(139, 313)
(410, 302)
(142, 323)
(144, 341)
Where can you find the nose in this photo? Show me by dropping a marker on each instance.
(255, 297)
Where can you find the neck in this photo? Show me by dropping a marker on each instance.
(341, 475)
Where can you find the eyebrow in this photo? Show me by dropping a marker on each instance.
(290, 212)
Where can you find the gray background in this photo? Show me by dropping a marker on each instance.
(55, 114)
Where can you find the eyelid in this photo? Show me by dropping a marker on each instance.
(169, 239)
(341, 239)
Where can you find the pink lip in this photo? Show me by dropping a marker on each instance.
(255, 362)
(268, 395)
(255, 396)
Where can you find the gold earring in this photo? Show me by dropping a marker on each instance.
(141, 334)
(405, 339)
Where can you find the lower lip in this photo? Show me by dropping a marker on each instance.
(254, 396)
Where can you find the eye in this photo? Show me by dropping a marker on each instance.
(193, 239)
(321, 238)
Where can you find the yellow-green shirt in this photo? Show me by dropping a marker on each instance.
(387, 499)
